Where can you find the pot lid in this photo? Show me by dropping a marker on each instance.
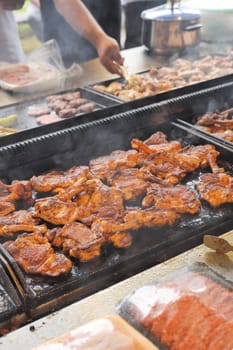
(212, 5)
(165, 13)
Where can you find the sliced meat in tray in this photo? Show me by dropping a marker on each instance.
(31, 117)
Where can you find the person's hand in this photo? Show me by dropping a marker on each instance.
(11, 4)
(109, 54)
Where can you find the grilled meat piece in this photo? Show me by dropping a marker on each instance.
(6, 208)
(217, 119)
(59, 179)
(174, 166)
(77, 240)
(17, 221)
(168, 171)
(15, 191)
(216, 188)
(91, 196)
(150, 217)
(133, 219)
(132, 182)
(37, 111)
(47, 119)
(148, 147)
(180, 198)
(105, 166)
(55, 211)
(207, 155)
(35, 255)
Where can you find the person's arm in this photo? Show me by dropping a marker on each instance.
(79, 17)
(11, 4)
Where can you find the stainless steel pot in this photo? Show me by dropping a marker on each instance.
(168, 30)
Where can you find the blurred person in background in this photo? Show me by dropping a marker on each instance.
(85, 30)
(34, 18)
(10, 46)
(133, 22)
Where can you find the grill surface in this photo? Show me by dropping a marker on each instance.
(76, 146)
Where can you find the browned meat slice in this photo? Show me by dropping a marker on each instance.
(36, 111)
(150, 148)
(77, 102)
(133, 219)
(180, 198)
(216, 188)
(168, 171)
(217, 119)
(56, 211)
(157, 138)
(173, 166)
(69, 96)
(150, 217)
(77, 240)
(103, 167)
(91, 197)
(131, 181)
(67, 112)
(87, 107)
(35, 255)
(226, 135)
(15, 191)
(207, 155)
(47, 119)
(17, 221)
(60, 179)
(6, 208)
(120, 239)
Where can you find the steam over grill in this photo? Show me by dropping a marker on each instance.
(77, 145)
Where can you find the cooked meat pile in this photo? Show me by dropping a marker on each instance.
(81, 209)
(61, 106)
(181, 72)
(188, 312)
(220, 124)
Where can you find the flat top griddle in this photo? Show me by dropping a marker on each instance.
(79, 144)
(26, 124)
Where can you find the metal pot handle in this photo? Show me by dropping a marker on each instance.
(192, 27)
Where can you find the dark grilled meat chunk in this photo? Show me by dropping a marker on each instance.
(17, 221)
(56, 211)
(6, 208)
(105, 166)
(15, 191)
(133, 219)
(180, 198)
(59, 179)
(132, 182)
(216, 189)
(35, 255)
(77, 240)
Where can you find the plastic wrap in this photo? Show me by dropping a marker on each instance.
(43, 70)
(109, 333)
(191, 309)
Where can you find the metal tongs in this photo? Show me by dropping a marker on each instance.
(220, 245)
(132, 79)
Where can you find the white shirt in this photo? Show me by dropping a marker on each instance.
(10, 46)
